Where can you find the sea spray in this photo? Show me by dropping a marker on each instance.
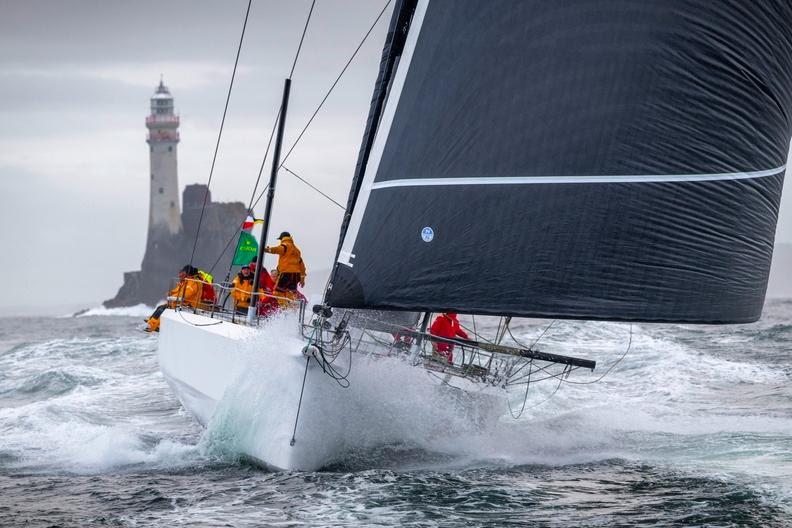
(138, 310)
(386, 401)
(241, 418)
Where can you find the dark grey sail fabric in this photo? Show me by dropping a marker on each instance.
(588, 159)
(391, 322)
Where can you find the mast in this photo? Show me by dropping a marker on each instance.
(270, 197)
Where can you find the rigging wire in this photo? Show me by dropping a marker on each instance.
(507, 328)
(302, 390)
(563, 378)
(302, 38)
(197, 324)
(525, 398)
(549, 397)
(287, 169)
(473, 330)
(253, 203)
(332, 87)
(629, 345)
(536, 341)
(327, 364)
(590, 382)
(220, 132)
(299, 404)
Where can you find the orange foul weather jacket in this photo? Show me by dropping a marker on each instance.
(189, 290)
(289, 257)
(242, 290)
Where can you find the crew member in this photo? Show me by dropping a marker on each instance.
(207, 290)
(243, 286)
(189, 290)
(186, 292)
(291, 268)
(446, 326)
(266, 304)
(266, 282)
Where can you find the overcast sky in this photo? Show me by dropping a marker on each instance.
(75, 82)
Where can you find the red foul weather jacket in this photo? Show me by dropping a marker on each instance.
(446, 326)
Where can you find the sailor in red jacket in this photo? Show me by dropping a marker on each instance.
(267, 305)
(446, 326)
(265, 279)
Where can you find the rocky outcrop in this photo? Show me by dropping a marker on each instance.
(167, 253)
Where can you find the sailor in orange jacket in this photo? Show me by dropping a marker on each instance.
(187, 291)
(291, 268)
(243, 287)
(446, 326)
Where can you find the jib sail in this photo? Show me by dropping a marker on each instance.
(591, 159)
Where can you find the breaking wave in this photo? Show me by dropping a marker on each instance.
(89, 405)
(139, 310)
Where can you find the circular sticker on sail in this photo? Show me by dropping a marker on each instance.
(427, 234)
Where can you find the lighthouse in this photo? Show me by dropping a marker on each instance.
(173, 237)
(163, 138)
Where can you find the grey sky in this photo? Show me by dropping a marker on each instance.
(75, 78)
(75, 82)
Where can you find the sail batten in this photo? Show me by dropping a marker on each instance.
(589, 159)
(619, 178)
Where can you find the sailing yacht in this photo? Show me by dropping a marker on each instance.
(594, 160)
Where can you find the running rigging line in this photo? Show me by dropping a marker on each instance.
(220, 133)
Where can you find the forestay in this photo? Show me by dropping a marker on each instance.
(592, 159)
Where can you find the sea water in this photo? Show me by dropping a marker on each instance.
(693, 427)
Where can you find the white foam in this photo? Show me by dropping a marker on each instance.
(387, 401)
(139, 310)
(659, 404)
(45, 436)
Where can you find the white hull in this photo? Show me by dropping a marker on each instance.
(245, 384)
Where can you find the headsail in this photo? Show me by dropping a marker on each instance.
(586, 159)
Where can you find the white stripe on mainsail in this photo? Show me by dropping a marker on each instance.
(523, 180)
(366, 186)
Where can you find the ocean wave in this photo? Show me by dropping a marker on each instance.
(92, 428)
(671, 400)
(42, 443)
(50, 383)
(139, 310)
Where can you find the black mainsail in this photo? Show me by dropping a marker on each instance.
(589, 159)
